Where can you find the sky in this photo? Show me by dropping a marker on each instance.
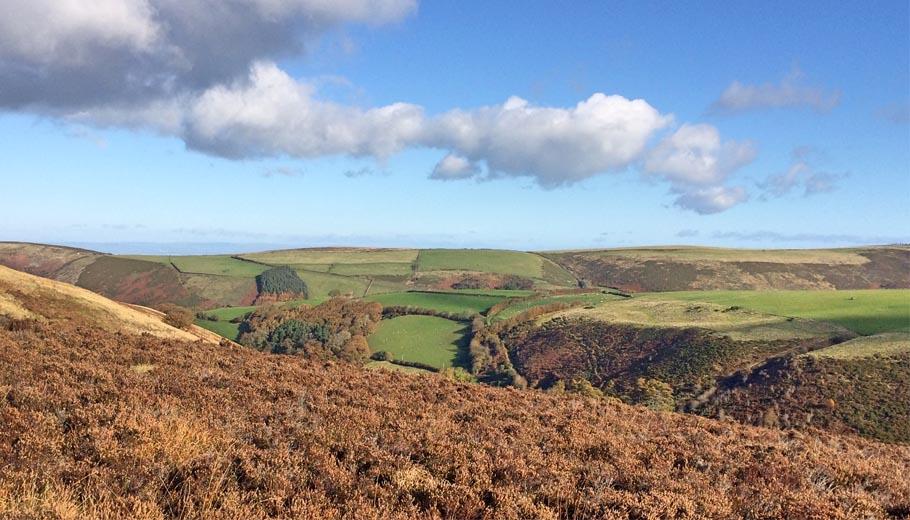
(191, 126)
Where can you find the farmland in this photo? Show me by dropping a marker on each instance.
(429, 340)
(862, 311)
(517, 263)
(522, 305)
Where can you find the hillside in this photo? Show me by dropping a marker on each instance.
(856, 387)
(701, 268)
(101, 425)
(24, 297)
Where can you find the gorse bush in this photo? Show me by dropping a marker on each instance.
(281, 280)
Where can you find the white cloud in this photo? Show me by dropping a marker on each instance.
(695, 155)
(789, 93)
(555, 146)
(715, 199)
(454, 167)
(697, 163)
(270, 113)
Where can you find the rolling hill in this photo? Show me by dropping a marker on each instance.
(684, 268)
(103, 424)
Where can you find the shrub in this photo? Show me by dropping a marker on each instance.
(515, 283)
(458, 374)
(281, 280)
(655, 394)
(382, 355)
(177, 316)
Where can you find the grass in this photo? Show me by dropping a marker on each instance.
(334, 256)
(374, 365)
(437, 342)
(481, 260)
(223, 265)
(887, 344)
(865, 312)
(372, 269)
(225, 329)
(736, 323)
(441, 301)
(585, 299)
(320, 284)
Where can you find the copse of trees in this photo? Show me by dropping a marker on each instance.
(177, 316)
(335, 329)
(281, 280)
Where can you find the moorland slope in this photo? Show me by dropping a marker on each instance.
(105, 425)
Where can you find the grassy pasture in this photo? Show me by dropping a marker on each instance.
(585, 299)
(715, 254)
(441, 301)
(385, 365)
(887, 344)
(224, 329)
(430, 340)
(862, 311)
(223, 265)
(334, 256)
(481, 260)
(737, 323)
(372, 269)
(320, 284)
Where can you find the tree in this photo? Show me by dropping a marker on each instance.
(655, 394)
(177, 316)
(356, 350)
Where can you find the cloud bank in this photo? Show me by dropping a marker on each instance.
(206, 71)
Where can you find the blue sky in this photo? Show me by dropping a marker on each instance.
(772, 124)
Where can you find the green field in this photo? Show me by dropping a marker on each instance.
(385, 365)
(372, 269)
(862, 311)
(223, 265)
(583, 299)
(430, 340)
(441, 301)
(735, 322)
(482, 260)
(224, 329)
(719, 254)
(335, 256)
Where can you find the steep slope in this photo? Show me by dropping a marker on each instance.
(859, 386)
(701, 268)
(27, 297)
(99, 425)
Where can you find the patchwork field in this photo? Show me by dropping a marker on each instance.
(455, 302)
(330, 256)
(433, 341)
(223, 265)
(862, 311)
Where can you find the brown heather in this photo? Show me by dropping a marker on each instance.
(95, 424)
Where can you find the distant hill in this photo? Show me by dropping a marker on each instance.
(103, 424)
(210, 281)
(701, 268)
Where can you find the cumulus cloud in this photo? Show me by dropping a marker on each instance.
(706, 201)
(205, 71)
(271, 113)
(60, 56)
(790, 92)
(697, 163)
(801, 174)
(695, 155)
(553, 145)
(454, 167)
